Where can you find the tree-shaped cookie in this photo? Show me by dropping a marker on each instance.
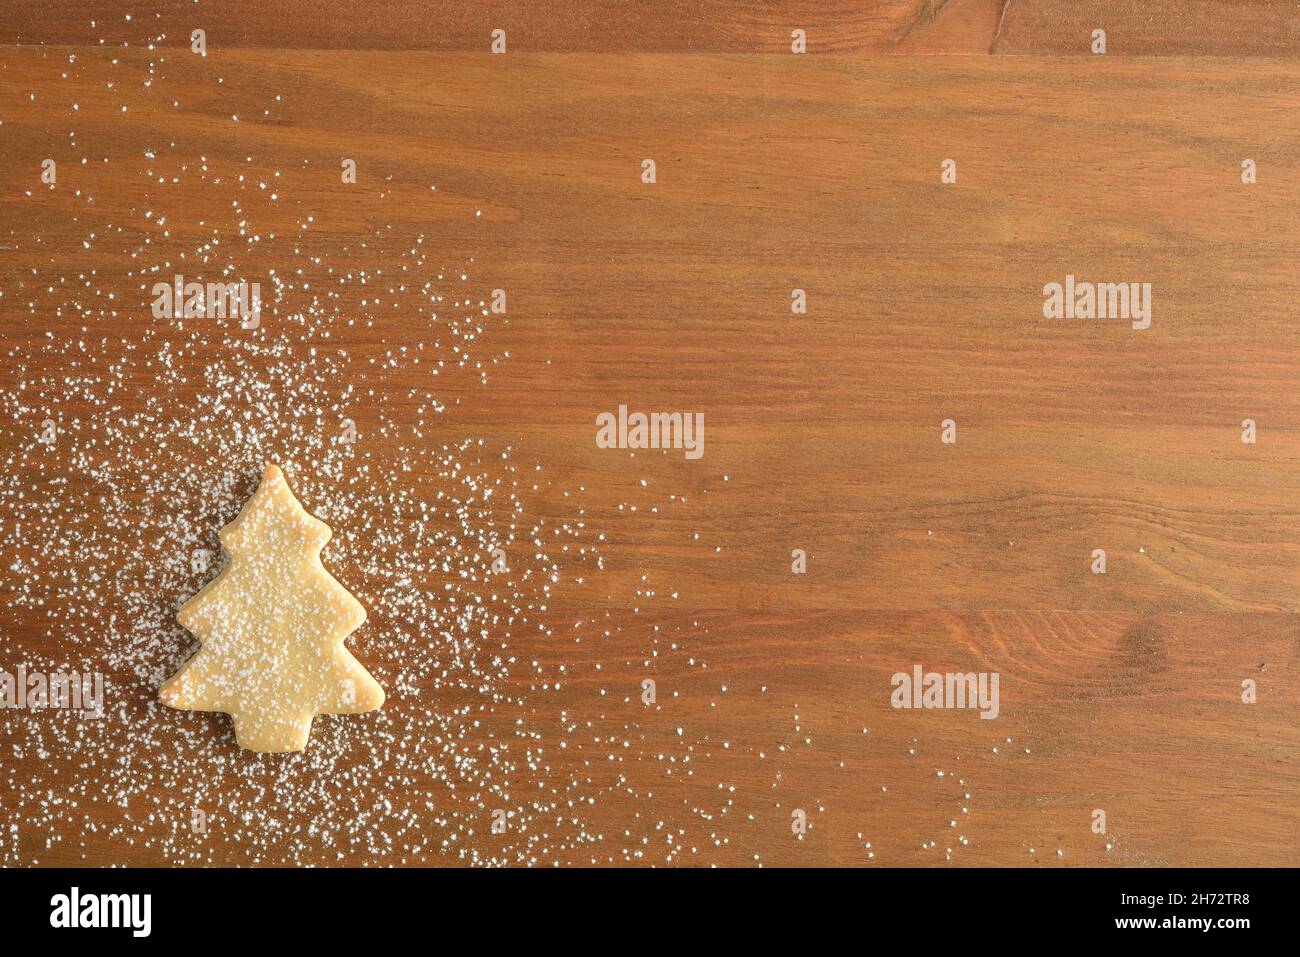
(272, 626)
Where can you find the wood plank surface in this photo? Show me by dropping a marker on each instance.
(523, 172)
(832, 27)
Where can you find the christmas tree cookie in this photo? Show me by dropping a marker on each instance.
(272, 626)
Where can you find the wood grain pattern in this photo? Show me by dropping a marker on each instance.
(837, 27)
(1152, 27)
(821, 172)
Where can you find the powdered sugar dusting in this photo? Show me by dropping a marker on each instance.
(211, 403)
(128, 440)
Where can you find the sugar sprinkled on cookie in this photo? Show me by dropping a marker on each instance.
(273, 624)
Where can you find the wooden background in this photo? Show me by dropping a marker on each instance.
(821, 172)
